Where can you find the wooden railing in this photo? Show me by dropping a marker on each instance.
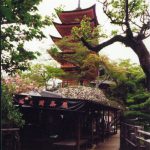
(10, 139)
(133, 137)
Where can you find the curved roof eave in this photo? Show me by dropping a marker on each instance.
(65, 29)
(93, 8)
(77, 11)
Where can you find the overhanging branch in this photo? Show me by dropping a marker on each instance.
(117, 38)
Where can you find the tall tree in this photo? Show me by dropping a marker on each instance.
(20, 22)
(134, 19)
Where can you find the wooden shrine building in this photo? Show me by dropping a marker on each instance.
(70, 19)
(65, 123)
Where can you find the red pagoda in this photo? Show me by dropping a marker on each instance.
(69, 19)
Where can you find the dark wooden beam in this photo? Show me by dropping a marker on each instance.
(78, 131)
(116, 120)
(103, 125)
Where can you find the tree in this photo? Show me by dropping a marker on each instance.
(20, 23)
(112, 71)
(19, 84)
(129, 88)
(134, 19)
(128, 77)
(41, 74)
(138, 104)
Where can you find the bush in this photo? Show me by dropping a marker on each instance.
(10, 114)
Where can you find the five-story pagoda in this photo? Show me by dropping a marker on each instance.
(70, 19)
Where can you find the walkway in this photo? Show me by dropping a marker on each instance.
(110, 144)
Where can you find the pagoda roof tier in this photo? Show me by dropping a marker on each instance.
(61, 60)
(63, 48)
(55, 39)
(75, 16)
(65, 29)
(64, 62)
(68, 65)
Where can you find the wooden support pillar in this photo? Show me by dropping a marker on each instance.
(103, 125)
(91, 129)
(108, 121)
(116, 121)
(78, 132)
(97, 126)
(92, 136)
(107, 132)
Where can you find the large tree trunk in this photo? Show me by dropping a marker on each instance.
(144, 57)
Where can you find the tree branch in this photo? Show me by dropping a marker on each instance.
(113, 21)
(128, 31)
(117, 38)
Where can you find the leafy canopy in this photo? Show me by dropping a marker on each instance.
(20, 22)
(135, 15)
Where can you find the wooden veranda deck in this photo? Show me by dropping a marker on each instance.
(111, 143)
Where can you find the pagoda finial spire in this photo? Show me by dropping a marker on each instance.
(79, 5)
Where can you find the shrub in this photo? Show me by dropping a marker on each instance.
(10, 114)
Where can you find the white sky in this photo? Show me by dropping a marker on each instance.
(115, 51)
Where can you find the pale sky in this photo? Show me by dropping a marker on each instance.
(115, 51)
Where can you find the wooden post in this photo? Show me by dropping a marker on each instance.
(108, 125)
(92, 131)
(103, 125)
(116, 121)
(78, 132)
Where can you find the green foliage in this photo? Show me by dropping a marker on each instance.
(59, 9)
(112, 70)
(20, 22)
(10, 114)
(42, 73)
(115, 10)
(128, 79)
(53, 51)
(143, 118)
(129, 88)
(133, 71)
(89, 68)
(114, 32)
(141, 106)
(92, 35)
(85, 30)
(139, 97)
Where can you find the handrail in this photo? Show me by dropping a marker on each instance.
(132, 137)
(10, 129)
(130, 125)
(144, 132)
